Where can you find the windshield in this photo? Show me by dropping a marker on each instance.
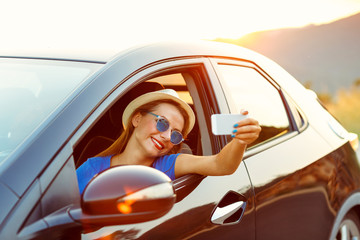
(30, 89)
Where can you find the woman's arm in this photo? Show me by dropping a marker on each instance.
(228, 159)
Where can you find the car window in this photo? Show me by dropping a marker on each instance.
(246, 88)
(109, 127)
(177, 82)
(174, 81)
(100, 132)
(30, 89)
(297, 114)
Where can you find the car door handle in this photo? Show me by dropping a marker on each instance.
(222, 214)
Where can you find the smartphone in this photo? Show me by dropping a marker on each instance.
(223, 124)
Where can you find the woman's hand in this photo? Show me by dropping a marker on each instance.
(246, 130)
(228, 159)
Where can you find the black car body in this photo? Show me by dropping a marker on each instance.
(299, 180)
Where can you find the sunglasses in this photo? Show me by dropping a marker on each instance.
(162, 124)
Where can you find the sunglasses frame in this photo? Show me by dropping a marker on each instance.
(158, 118)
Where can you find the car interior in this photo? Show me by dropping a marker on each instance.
(109, 127)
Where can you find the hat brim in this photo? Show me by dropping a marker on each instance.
(153, 96)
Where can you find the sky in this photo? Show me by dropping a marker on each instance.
(102, 24)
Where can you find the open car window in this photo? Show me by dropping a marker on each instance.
(177, 82)
(109, 127)
(192, 85)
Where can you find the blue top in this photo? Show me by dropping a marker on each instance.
(95, 165)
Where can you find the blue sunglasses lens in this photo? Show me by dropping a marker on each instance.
(176, 137)
(162, 125)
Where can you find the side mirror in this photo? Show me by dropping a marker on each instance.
(125, 194)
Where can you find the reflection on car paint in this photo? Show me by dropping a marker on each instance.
(317, 191)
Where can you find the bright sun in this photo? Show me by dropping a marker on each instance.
(116, 23)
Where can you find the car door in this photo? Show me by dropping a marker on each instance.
(288, 165)
(206, 207)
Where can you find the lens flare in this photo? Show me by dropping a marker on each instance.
(125, 207)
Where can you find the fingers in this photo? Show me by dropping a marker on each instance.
(246, 121)
(244, 112)
(246, 138)
(246, 130)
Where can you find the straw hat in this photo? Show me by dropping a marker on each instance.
(158, 95)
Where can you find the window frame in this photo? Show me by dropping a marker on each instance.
(289, 106)
(201, 91)
(120, 90)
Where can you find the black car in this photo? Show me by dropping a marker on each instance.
(299, 180)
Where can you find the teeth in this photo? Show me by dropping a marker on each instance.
(157, 143)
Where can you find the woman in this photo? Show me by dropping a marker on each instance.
(155, 124)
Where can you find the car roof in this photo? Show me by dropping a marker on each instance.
(166, 49)
(149, 53)
(142, 55)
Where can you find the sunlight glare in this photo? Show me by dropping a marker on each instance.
(93, 24)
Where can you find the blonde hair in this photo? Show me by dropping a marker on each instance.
(120, 144)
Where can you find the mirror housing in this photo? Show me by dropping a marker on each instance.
(125, 194)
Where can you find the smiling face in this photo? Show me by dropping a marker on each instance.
(153, 142)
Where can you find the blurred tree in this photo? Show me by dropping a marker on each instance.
(325, 98)
(346, 108)
(357, 82)
(308, 84)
